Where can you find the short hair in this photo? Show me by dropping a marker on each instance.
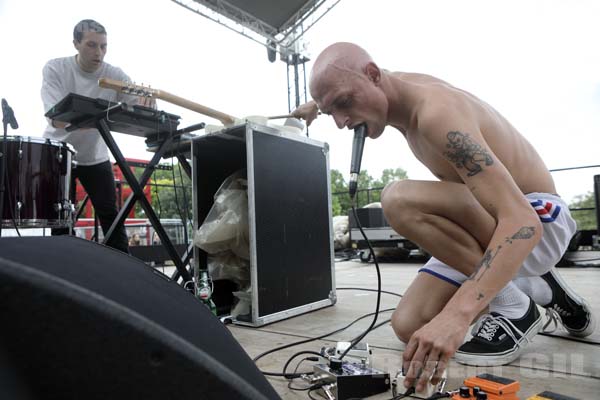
(87, 25)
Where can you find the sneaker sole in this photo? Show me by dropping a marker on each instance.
(591, 327)
(495, 359)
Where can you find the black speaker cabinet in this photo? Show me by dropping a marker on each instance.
(289, 212)
(82, 321)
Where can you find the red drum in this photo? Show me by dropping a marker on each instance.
(37, 184)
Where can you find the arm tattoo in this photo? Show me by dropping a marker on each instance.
(485, 264)
(525, 232)
(464, 152)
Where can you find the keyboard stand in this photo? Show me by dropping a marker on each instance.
(137, 189)
(80, 112)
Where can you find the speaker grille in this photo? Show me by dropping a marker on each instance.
(84, 321)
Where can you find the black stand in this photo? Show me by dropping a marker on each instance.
(174, 149)
(137, 194)
(85, 112)
(3, 174)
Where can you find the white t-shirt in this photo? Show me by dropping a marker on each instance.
(62, 76)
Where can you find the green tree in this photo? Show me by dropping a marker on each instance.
(369, 189)
(390, 175)
(585, 219)
(338, 188)
(171, 196)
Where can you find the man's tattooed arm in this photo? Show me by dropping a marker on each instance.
(525, 232)
(485, 264)
(464, 152)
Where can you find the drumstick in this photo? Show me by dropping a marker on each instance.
(281, 116)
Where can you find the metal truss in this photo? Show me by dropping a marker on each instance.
(285, 40)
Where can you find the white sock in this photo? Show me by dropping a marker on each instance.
(510, 302)
(536, 288)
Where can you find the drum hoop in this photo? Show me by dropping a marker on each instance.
(41, 140)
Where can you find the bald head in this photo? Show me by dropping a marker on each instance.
(346, 84)
(337, 63)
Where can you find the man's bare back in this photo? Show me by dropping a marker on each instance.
(514, 151)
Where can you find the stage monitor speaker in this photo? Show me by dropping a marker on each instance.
(83, 321)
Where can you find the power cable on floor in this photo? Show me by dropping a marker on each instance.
(255, 359)
(369, 290)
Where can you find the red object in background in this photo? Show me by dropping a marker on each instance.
(86, 226)
(122, 194)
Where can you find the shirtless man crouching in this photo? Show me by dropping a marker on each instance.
(494, 225)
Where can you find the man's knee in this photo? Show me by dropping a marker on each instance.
(398, 193)
(405, 322)
(397, 198)
(388, 191)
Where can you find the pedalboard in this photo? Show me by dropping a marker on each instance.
(342, 380)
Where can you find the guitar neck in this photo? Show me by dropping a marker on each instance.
(224, 118)
(138, 90)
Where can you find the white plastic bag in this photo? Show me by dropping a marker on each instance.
(226, 225)
(244, 303)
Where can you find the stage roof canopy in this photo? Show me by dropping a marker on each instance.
(278, 24)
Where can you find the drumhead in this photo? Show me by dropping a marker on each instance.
(40, 140)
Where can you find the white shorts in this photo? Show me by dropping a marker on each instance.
(559, 228)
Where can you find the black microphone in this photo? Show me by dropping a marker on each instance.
(8, 116)
(360, 133)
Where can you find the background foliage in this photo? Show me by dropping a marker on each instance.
(172, 194)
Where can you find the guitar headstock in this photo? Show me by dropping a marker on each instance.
(127, 87)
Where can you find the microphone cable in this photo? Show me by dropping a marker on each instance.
(360, 133)
(378, 303)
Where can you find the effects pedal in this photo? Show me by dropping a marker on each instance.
(359, 353)
(430, 389)
(344, 380)
(488, 387)
(550, 396)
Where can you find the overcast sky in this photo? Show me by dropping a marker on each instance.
(537, 62)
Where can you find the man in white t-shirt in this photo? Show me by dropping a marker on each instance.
(79, 74)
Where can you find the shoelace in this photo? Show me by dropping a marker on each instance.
(562, 312)
(552, 317)
(488, 325)
(488, 329)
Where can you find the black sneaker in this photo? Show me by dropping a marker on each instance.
(567, 307)
(498, 340)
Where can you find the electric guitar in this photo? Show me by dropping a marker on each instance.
(143, 91)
